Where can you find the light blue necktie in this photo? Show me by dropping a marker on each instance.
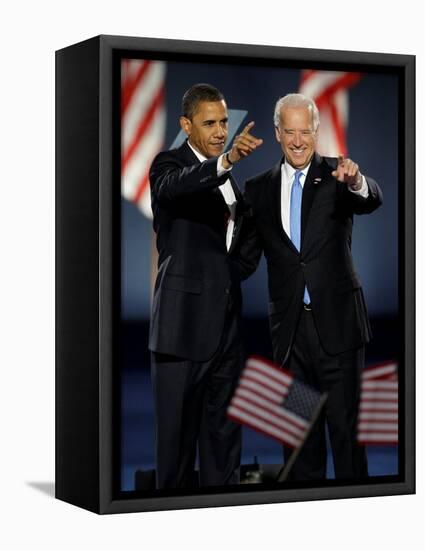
(295, 218)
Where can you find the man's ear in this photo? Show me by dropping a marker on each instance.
(185, 125)
(277, 133)
(316, 136)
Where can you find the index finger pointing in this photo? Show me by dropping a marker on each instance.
(248, 127)
(340, 159)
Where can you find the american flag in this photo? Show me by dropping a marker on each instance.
(270, 400)
(329, 89)
(378, 413)
(143, 120)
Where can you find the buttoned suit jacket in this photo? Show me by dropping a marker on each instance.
(197, 276)
(324, 262)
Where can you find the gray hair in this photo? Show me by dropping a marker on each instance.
(296, 100)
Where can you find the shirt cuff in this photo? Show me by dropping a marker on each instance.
(220, 169)
(363, 191)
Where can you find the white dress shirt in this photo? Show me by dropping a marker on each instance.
(287, 178)
(227, 192)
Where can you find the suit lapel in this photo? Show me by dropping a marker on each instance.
(275, 194)
(187, 155)
(239, 211)
(276, 203)
(311, 185)
(235, 188)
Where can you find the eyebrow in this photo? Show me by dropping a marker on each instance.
(305, 130)
(294, 129)
(210, 120)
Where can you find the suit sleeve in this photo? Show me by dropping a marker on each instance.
(171, 180)
(361, 205)
(248, 252)
(356, 203)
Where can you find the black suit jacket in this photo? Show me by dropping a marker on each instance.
(324, 262)
(196, 274)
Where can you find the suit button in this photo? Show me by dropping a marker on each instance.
(227, 291)
(303, 264)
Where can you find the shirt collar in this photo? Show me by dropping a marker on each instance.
(198, 155)
(289, 172)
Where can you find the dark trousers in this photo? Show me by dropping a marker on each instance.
(191, 400)
(340, 376)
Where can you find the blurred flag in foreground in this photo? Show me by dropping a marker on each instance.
(270, 400)
(329, 89)
(142, 126)
(378, 414)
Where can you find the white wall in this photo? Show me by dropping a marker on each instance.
(29, 34)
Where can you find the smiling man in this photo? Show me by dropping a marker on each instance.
(302, 214)
(194, 333)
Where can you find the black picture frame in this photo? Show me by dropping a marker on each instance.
(87, 240)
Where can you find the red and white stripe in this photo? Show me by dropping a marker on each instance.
(378, 412)
(258, 399)
(329, 89)
(143, 119)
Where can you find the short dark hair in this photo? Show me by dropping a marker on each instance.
(197, 93)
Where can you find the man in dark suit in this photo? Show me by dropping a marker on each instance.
(302, 211)
(194, 334)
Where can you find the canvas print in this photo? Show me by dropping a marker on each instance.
(259, 335)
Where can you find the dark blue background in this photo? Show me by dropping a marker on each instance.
(371, 141)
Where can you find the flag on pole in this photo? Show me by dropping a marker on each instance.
(143, 119)
(270, 400)
(329, 89)
(378, 412)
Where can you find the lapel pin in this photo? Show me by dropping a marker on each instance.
(317, 180)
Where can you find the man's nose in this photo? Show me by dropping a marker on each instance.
(297, 139)
(220, 131)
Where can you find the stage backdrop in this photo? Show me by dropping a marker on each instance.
(371, 140)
